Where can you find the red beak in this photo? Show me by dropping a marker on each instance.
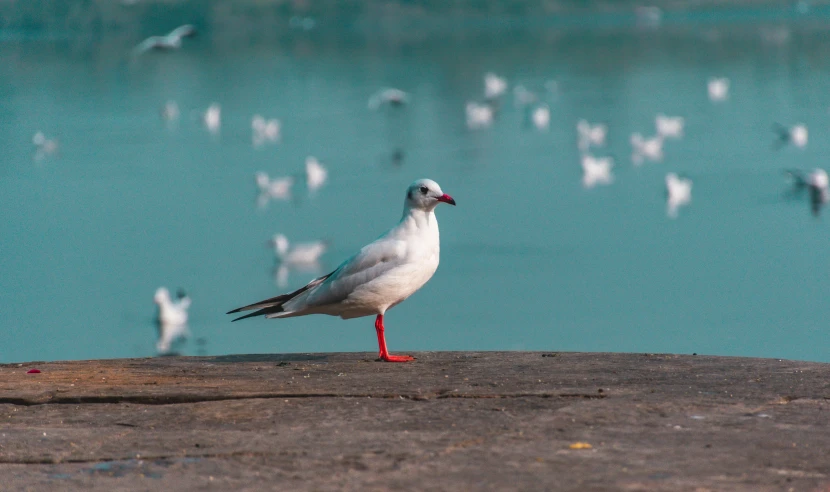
(446, 199)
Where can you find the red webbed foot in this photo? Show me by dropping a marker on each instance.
(396, 358)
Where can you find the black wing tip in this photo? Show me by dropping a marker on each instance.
(234, 311)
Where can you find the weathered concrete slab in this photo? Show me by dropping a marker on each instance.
(488, 420)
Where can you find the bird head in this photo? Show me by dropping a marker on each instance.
(425, 194)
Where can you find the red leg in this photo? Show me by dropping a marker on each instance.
(384, 352)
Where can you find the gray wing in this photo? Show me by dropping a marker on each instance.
(371, 262)
(146, 45)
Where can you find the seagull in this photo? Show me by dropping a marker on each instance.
(797, 135)
(315, 174)
(277, 188)
(588, 134)
(596, 170)
(264, 130)
(678, 193)
(718, 89)
(391, 97)
(301, 257)
(172, 318)
(171, 41)
(479, 115)
(212, 118)
(817, 182)
(494, 86)
(651, 149)
(380, 276)
(45, 147)
(669, 126)
(541, 117)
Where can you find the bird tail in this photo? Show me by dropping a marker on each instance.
(274, 305)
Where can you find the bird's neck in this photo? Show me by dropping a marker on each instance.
(418, 218)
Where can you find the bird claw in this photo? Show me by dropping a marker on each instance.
(396, 358)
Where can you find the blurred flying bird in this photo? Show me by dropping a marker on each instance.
(264, 131)
(596, 170)
(669, 126)
(678, 193)
(171, 41)
(718, 89)
(479, 115)
(381, 275)
(390, 97)
(494, 86)
(315, 174)
(817, 182)
(276, 189)
(642, 148)
(171, 319)
(590, 135)
(797, 135)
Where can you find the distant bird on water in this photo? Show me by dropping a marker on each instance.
(390, 97)
(273, 189)
(540, 116)
(479, 115)
(170, 41)
(646, 148)
(596, 170)
(380, 276)
(494, 86)
(315, 174)
(44, 146)
(796, 135)
(678, 193)
(171, 319)
(264, 131)
(212, 118)
(300, 257)
(817, 182)
(669, 126)
(590, 135)
(718, 88)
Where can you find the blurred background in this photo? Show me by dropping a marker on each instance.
(128, 165)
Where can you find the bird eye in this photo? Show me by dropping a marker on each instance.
(424, 190)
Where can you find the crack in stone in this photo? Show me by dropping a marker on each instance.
(185, 398)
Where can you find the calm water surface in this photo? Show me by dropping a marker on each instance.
(530, 259)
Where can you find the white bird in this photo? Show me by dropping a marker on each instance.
(304, 257)
(391, 97)
(171, 319)
(642, 148)
(588, 134)
(315, 174)
(669, 126)
(596, 170)
(797, 135)
(541, 117)
(678, 193)
(277, 188)
(494, 86)
(264, 131)
(380, 276)
(44, 146)
(170, 41)
(170, 111)
(479, 115)
(212, 118)
(718, 89)
(817, 182)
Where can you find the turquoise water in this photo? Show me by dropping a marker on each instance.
(530, 259)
